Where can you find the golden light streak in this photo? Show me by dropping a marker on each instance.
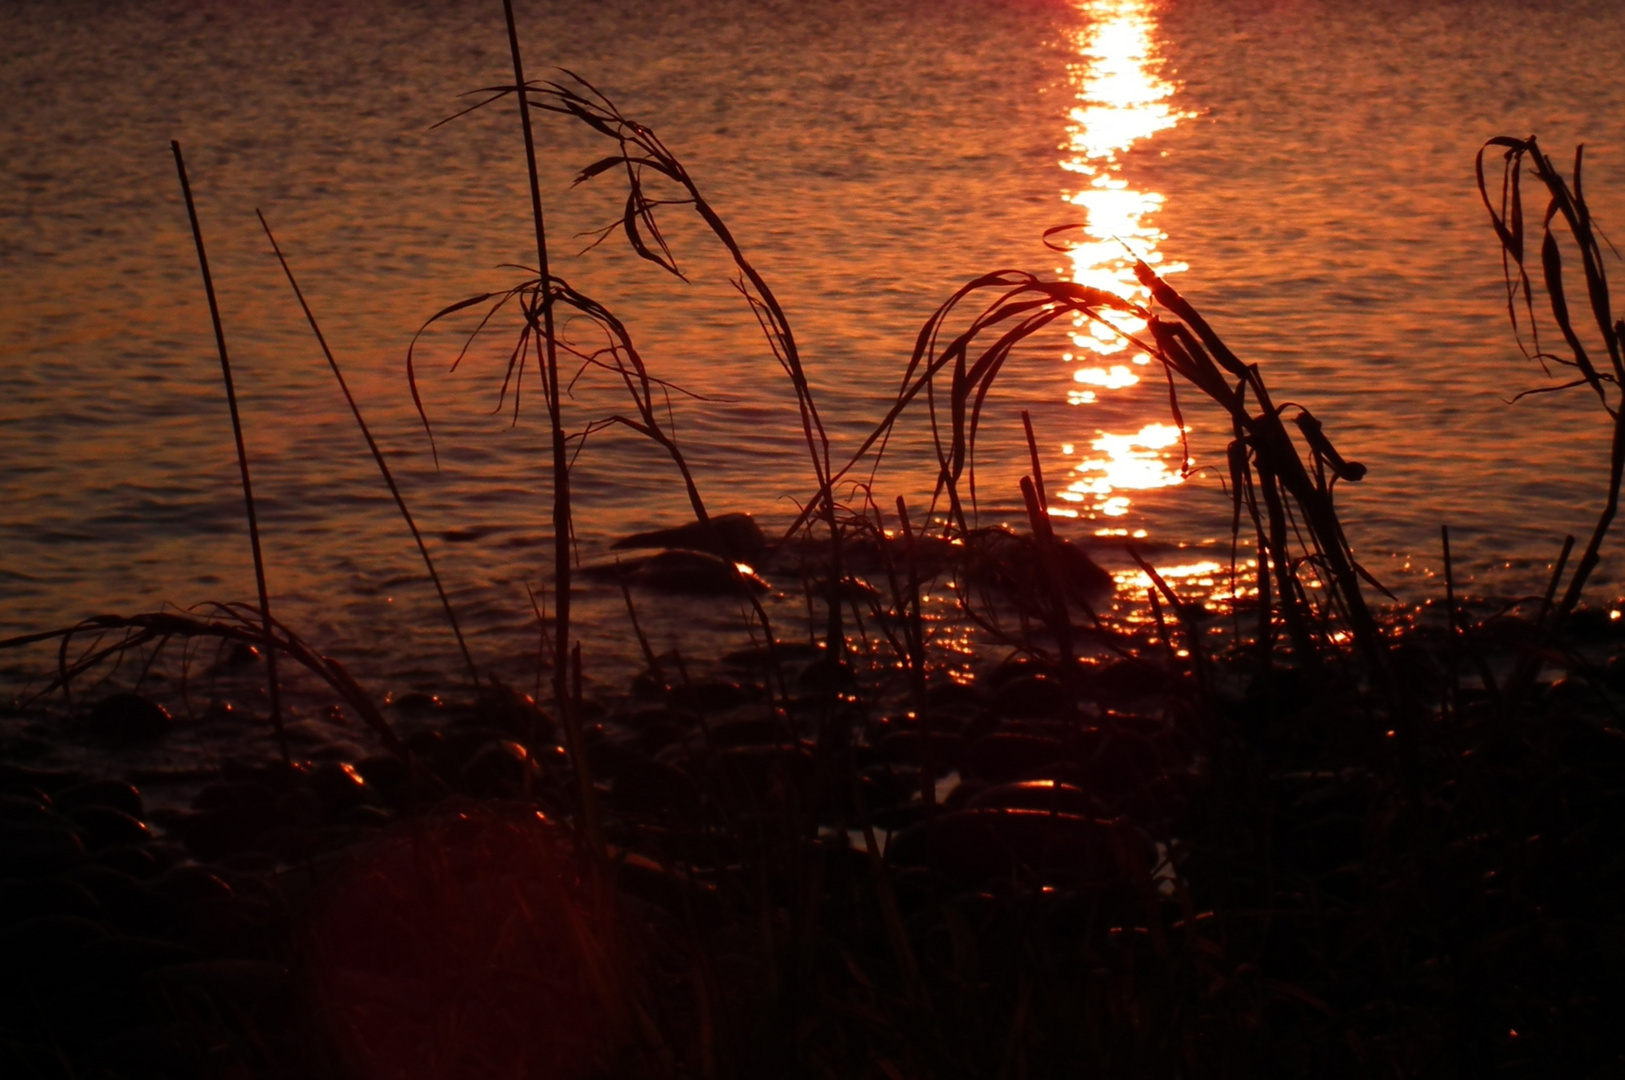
(1121, 100)
(1136, 462)
(1202, 573)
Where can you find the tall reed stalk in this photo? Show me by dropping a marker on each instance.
(274, 689)
(538, 311)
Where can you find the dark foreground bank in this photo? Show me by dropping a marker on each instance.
(1118, 871)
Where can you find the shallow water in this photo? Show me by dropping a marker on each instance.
(1303, 170)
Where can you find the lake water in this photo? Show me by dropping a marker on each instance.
(1303, 171)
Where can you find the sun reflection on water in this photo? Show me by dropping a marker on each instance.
(1136, 462)
(1121, 99)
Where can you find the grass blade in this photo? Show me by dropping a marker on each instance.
(377, 454)
(242, 454)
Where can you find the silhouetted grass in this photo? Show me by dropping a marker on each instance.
(1566, 204)
(273, 687)
(1329, 841)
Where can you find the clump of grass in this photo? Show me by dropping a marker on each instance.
(1600, 369)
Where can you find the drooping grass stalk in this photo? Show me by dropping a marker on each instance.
(640, 150)
(228, 623)
(1604, 376)
(627, 362)
(377, 456)
(273, 687)
(1284, 497)
(1198, 357)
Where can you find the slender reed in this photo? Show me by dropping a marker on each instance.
(1032, 455)
(1452, 628)
(273, 687)
(540, 305)
(377, 455)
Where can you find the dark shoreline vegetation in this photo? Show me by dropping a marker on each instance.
(1295, 835)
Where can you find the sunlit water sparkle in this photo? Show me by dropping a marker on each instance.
(1123, 100)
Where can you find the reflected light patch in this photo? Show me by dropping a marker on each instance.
(1120, 100)
(1137, 462)
(1114, 378)
(1198, 573)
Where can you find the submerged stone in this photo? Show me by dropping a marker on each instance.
(759, 777)
(911, 747)
(338, 786)
(497, 769)
(734, 536)
(516, 713)
(136, 862)
(1012, 563)
(645, 786)
(1002, 757)
(1032, 697)
(710, 697)
(22, 810)
(977, 844)
(22, 899)
(39, 850)
(386, 775)
(1049, 795)
(824, 677)
(751, 731)
(227, 830)
(952, 697)
(128, 717)
(764, 656)
(109, 793)
(695, 573)
(104, 827)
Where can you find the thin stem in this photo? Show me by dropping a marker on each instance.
(548, 348)
(377, 455)
(273, 688)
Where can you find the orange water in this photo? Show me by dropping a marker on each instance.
(1302, 171)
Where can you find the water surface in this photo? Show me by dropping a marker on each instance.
(1301, 170)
